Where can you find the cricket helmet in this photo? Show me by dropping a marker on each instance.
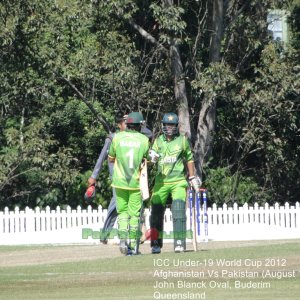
(170, 119)
(135, 118)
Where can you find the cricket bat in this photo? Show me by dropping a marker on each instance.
(144, 180)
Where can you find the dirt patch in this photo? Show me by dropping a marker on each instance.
(73, 253)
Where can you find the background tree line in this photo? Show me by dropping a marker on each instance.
(67, 67)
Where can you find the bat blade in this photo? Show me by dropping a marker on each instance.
(144, 181)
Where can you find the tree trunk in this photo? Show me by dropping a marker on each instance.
(179, 85)
(207, 116)
(204, 138)
(180, 90)
(217, 31)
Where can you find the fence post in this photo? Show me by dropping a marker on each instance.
(277, 214)
(10, 221)
(262, 215)
(235, 214)
(54, 221)
(1, 222)
(214, 216)
(287, 215)
(245, 214)
(89, 215)
(251, 215)
(297, 215)
(219, 216)
(79, 216)
(43, 220)
(6, 220)
(63, 218)
(209, 215)
(267, 214)
(100, 214)
(84, 217)
(17, 219)
(48, 225)
(68, 217)
(256, 213)
(230, 215)
(272, 215)
(95, 216)
(29, 220)
(22, 221)
(58, 218)
(37, 218)
(225, 214)
(293, 216)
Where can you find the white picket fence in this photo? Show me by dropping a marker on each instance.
(44, 226)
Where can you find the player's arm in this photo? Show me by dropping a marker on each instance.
(99, 164)
(194, 180)
(147, 149)
(153, 155)
(191, 168)
(112, 151)
(147, 132)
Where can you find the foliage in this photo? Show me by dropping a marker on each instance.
(28, 169)
(50, 140)
(294, 23)
(226, 188)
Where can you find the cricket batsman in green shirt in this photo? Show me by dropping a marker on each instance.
(127, 150)
(172, 152)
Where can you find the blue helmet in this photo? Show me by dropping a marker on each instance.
(170, 119)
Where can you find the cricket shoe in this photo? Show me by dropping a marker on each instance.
(155, 248)
(179, 249)
(123, 247)
(132, 252)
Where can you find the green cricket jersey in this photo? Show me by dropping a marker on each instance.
(128, 148)
(173, 155)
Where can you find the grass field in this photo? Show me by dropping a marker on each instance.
(218, 271)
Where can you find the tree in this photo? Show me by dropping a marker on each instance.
(229, 51)
(32, 162)
(68, 67)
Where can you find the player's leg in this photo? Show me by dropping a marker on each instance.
(158, 203)
(134, 211)
(122, 197)
(179, 216)
(110, 219)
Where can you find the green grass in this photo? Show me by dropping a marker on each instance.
(133, 277)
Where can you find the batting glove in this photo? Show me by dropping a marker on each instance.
(90, 194)
(195, 182)
(154, 156)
